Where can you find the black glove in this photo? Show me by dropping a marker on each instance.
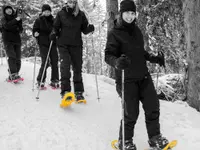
(52, 36)
(161, 59)
(91, 27)
(122, 62)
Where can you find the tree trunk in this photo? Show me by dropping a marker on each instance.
(112, 10)
(88, 64)
(142, 19)
(100, 54)
(192, 34)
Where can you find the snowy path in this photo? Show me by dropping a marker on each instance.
(27, 124)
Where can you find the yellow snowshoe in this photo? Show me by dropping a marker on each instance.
(67, 100)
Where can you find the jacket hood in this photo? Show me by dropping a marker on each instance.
(75, 12)
(6, 7)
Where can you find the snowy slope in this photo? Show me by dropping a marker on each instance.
(27, 124)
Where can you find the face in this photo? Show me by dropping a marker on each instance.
(46, 13)
(128, 16)
(8, 11)
(71, 3)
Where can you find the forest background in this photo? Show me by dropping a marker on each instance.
(169, 26)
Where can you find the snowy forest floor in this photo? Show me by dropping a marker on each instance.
(27, 124)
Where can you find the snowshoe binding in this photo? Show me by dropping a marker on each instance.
(161, 143)
(169, 146)
(54, 85)
(67, 99)
(14, 78)
(41, 85)
(129, 145)
(80, 98)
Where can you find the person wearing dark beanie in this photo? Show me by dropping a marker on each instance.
(125, 51)
(11, 28)
(70, 23)
(46, 7)
(127, 5)
(42, 29)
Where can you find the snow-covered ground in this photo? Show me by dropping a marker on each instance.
(28, 124)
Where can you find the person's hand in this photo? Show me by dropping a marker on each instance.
(18, 18)
(53, 36)
(91, 26)
(36, 34)
(161, 59)
(123, 62)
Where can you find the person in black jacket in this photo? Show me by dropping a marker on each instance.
(125, 51)
(70, 22)
(41, 31)
(11, 28)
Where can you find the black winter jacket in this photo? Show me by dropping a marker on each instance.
(120, 41)
(11, 28)
(69, 28)
(43, 25)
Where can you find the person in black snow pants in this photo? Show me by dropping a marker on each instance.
(70, 22)
(11, 28)
(42, 29)
(125, 51)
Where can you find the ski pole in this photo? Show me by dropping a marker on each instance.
(34, 71)
(158, 69)
(1, 56)
(44, 69)
(1, 50)
(97, 87)
(123, 108)
(157, 75)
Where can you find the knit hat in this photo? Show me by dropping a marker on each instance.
(66, 1)
(127, 5)
(46, 7)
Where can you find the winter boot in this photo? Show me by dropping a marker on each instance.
(158, 141)
(79, 96)
(63, 94)
(12, 77)
(128, 145)
(40, 84)
(54, 84)
(18, 76)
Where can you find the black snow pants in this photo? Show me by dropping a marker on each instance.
(53, 62)
(13, 52)
(144, 91)
(71, 55)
